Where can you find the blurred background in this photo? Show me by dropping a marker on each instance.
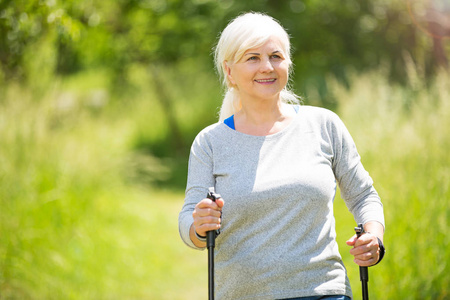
(100, 102)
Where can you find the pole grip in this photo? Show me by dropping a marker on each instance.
(363, 271)
(211, 235)
(210, 244)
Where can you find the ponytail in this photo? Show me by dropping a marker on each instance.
(230, 105)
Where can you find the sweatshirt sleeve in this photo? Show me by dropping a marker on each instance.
(200, 178)
(354, 181)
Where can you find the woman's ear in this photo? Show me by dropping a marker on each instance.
(227, 69)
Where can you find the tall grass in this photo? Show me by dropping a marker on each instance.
(403, 136)
(74, 225)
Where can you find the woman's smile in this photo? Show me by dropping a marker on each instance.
(265, 81)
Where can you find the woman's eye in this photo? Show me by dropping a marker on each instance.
(275, 56)
(253, 58)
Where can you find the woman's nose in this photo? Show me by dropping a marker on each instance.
(266, 66)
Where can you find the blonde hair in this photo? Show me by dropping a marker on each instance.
(247, 31)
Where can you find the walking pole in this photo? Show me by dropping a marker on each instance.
(363, 272)
(210, 244)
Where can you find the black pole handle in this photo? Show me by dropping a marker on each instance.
(363, 271)
(210, 244)
(211, 235)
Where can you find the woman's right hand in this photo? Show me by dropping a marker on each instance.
(207, 215)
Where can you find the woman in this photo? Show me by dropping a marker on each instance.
(275, 165)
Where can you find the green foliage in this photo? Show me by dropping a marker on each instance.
(24, 23)
(329, 38)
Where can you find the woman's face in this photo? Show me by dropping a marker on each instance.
(261, 73)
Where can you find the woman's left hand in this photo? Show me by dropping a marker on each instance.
(366, 249)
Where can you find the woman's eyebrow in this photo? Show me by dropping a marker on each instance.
(256, 53)
(276, 51)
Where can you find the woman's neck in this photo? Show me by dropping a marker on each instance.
(263, 118)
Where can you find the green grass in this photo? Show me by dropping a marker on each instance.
(72, 225)
(77, 221)
(403, 136)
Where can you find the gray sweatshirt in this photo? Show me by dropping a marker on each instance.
(278, 236)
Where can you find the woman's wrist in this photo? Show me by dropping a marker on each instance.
(199, 237)
(382, 251)
(196, 238)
